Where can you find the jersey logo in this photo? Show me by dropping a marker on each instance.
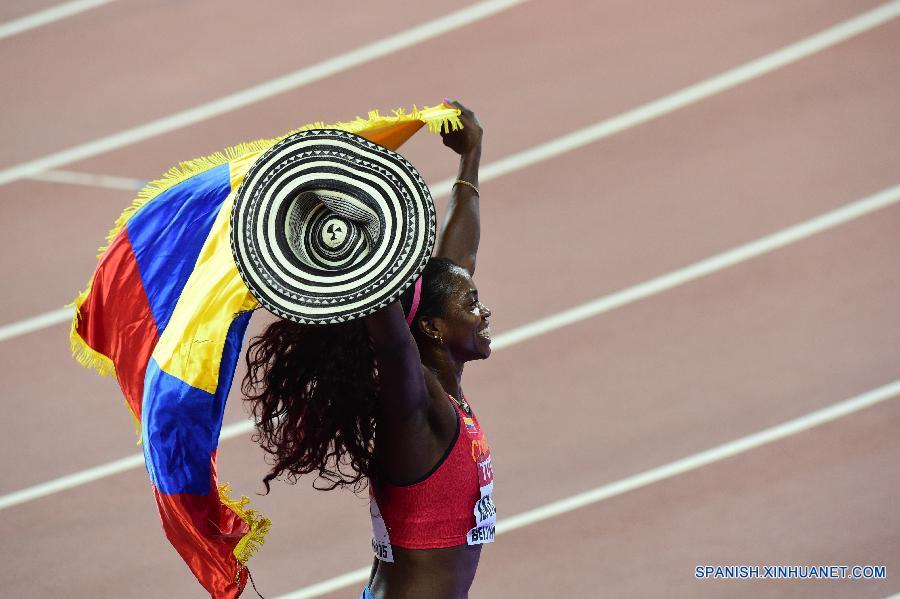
(480, 449)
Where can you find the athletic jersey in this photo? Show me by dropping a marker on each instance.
(451, 506)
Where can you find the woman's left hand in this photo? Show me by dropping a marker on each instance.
(468, 139)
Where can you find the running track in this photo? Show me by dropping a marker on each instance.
(674, 354)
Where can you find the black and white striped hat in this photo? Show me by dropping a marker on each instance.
(328, 226)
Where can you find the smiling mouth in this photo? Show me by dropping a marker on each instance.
(485, 333)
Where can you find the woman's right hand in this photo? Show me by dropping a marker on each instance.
(468, 139)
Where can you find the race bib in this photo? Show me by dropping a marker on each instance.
(485, 512)
(381, 542)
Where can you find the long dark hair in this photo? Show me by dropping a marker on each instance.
(313, 391)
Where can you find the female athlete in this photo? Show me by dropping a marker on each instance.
(380, 400)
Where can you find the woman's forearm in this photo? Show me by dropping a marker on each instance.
(462, 224)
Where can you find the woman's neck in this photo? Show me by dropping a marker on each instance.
(447, 370)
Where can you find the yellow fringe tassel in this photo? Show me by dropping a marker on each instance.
(436, 118)
(137, 422)
(259, 525)
(91, 358)
(86, 355)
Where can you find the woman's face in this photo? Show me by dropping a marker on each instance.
(464, 327)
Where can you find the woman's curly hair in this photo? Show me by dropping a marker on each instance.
(313, 392)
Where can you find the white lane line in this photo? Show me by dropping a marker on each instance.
(626, 120)
(251, 95)
(649, 111)
(332, 584)
(35, 323)
(606, 303)
(676, 278)
(652, 110)
(699, 91)
(89, 179)
(551, 323)
(779, 239)
(648, 477)
(83, 477)
(44, 17)
(72, 480)
(704, 458)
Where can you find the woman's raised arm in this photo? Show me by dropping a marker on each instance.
(461, 232)
(402, 385)
(408, 445)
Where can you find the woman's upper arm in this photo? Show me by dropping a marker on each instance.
(461, 232)
(403, 392)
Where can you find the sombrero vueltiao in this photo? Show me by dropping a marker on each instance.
(328, 227)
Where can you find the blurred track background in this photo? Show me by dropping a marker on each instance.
(663, 167)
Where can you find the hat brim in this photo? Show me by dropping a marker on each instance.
(329, 227)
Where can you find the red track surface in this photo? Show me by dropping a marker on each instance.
(725, 356)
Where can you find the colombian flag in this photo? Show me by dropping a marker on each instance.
(165, 313)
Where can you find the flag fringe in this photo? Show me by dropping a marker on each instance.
(259, 525)
(83, 353)
(88, 357)
(137, 423)
(437, 118)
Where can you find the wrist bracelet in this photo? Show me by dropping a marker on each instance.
(466, 183)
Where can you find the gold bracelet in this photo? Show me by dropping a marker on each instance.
(458, 181)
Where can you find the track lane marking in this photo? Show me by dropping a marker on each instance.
(649, 111)
(35, 323)
(90, 180)
(542, 326)
(684, 97)
(47, 16)
(521, 160)
(268, 89)
(675, 278)
(88, 475)
(718, 262)
(647, 477)
(698, 91)
(601, 129)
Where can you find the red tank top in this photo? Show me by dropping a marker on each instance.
(451, 506)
